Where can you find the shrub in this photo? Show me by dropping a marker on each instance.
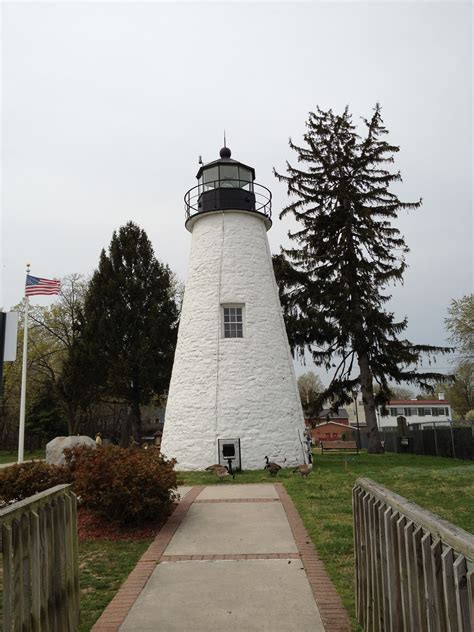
(127, 486)
(25, 479)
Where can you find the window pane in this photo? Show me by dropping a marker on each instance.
(211, 174)
(229, 172)
(245, 174)
(233, 322)
(228, 176)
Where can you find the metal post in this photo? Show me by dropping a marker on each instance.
(354, 395)
(452, 437)
(21, 430)
(3, 322)
(435, 438)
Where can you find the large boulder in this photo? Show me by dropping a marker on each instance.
(55, 448)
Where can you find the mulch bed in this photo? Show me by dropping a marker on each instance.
(91, 526)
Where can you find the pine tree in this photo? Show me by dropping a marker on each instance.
(333, 281)
(130, 323)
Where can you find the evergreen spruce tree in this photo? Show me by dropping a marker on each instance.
(130, 323)
(346, 252)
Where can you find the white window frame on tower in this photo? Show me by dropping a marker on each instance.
(233, 322)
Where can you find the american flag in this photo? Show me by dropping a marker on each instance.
(36, 286)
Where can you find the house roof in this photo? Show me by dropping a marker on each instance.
(341, 414)
(334, 423)
(417, 402)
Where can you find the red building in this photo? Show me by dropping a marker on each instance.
(331, 431)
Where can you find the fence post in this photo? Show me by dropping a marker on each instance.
(452, 438)
(40, 563)
(435, 438)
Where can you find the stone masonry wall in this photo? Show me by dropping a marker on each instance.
(232, 387)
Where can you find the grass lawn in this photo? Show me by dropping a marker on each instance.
(443, 486)
(11, 456)
(103, 566)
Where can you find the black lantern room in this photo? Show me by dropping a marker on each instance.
(226, 184)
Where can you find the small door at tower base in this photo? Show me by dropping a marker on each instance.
(229, 454)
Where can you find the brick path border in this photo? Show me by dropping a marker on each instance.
(331, 609)
(117, 610)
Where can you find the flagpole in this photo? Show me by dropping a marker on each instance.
(21, 433)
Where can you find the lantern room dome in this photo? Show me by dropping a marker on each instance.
(227, 184)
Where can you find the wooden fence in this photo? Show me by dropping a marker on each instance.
(414, 572)
(40, 563)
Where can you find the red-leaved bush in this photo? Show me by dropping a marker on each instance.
(126, 486)
(25, 479)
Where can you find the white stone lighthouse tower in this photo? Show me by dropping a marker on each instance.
(233, 393)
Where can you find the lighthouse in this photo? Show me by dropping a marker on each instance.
(233, 397)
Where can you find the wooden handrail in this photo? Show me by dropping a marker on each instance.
(10, 511)
(461, 541)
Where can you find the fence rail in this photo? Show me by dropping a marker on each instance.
(414, 572)
(40, 563)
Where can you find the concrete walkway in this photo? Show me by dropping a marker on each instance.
(231, 557)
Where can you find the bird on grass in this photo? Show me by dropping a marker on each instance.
(304, 470)
(273, 468)
(221, 471)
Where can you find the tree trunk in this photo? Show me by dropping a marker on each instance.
(136, 421)
(71, 419)
(126, 430)
(366, 385)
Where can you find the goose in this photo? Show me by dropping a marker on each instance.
(304, 470)
(273, 468)
(216, 466)
(219, 470)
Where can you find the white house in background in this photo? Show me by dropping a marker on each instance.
(415, 411)
(424, 412)
(356, 413)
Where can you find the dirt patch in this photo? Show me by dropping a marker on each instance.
(91, 526)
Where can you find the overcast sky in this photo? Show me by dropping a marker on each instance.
(107, 106)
